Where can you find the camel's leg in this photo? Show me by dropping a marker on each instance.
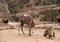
(29, 31)
(30, 28)
(22, 29)
(54, 34)
(19, 30)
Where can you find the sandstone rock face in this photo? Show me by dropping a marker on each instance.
(15, 6)
(4, 7)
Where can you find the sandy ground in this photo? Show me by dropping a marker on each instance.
(12, 35)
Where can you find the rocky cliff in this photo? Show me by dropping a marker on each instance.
(4, 7)
(15, 6)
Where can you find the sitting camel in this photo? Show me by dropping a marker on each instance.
(49, 32)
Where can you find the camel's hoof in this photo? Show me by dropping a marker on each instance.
(29, 34)
(23, 33)
(19, 34)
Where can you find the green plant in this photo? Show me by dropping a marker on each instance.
(15, 18)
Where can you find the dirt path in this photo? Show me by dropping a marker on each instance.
(11, 35)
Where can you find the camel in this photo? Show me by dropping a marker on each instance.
(28, 20)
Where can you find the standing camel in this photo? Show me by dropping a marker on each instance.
(28, 20)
